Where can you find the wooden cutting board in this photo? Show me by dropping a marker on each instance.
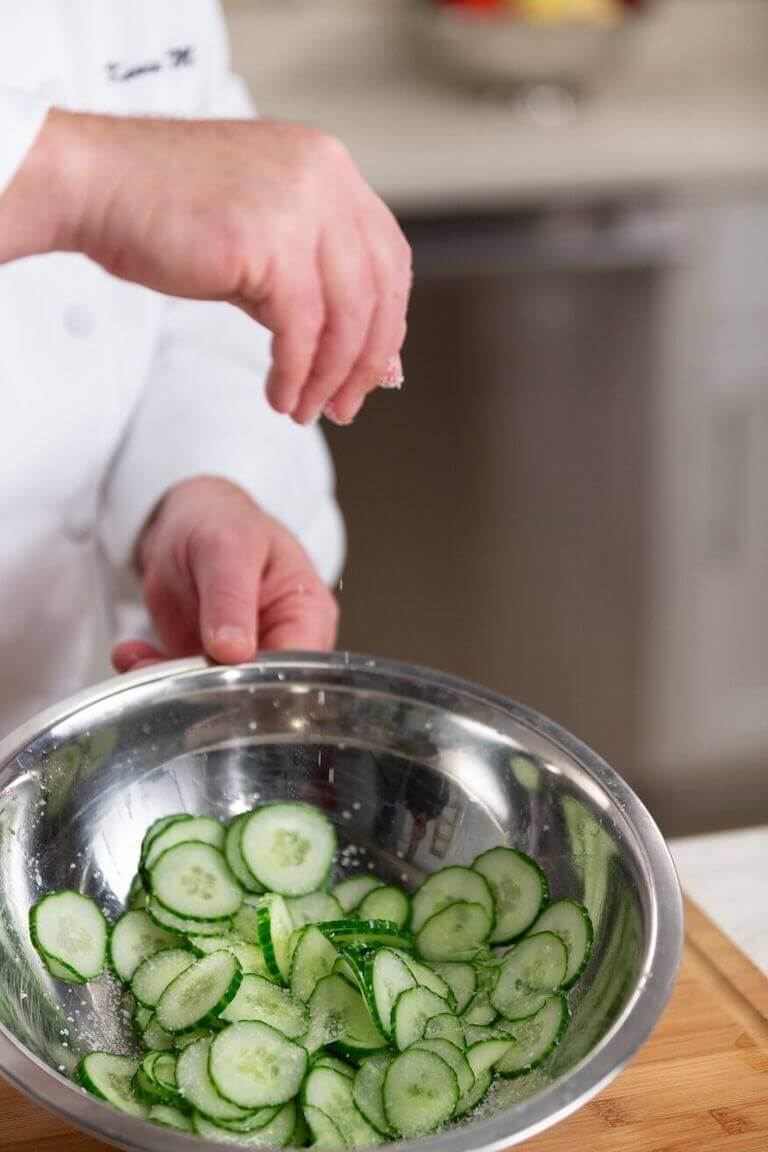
(699, 1085)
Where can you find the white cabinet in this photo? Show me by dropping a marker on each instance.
(705, 671)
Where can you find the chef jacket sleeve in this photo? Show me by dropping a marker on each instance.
(204, 412)
(21, 118)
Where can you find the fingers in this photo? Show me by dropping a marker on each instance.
(378, 362)
(304, 618)
(226, 571)
(129, 655)
(294, 312)
(349, 305)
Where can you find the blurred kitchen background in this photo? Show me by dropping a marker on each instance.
(569, 500)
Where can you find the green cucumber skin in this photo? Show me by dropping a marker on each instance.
(544, 897)
(46, 956)
(590, 933)
(564, 1021)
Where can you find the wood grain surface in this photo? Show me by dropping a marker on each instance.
(699, 1085)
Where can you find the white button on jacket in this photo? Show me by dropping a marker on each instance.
(109, 393)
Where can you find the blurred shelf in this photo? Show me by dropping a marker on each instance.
(683, 111)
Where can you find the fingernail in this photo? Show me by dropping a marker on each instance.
(330, 414)
(393, 377)
(229, 634)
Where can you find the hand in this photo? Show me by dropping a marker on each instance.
(273, 217)
(224, 579)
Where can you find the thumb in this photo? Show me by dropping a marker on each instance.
(227, 576)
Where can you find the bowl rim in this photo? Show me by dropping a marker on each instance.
(569, 1092)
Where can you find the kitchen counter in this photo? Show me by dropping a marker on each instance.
(685, 110)
(725, 874)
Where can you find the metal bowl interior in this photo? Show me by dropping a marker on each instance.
(415, 769)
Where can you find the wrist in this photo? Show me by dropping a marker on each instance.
(41, 209)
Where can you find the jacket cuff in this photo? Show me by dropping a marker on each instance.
(21, 118)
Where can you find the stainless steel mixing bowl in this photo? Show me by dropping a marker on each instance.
(415, 769)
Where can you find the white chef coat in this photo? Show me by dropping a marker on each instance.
(110, 393)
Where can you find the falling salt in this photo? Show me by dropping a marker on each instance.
(341, 585)
(400, 854)
(403, 877)
(62, 1068)
(370, 865)
(23, 995)
(252, 725)
(357, 805)
(346, 814)
(331, 775)
(321, 697)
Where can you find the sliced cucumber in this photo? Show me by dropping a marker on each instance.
(387, 975)
(234, 856)
(451, 885)
(412, 1009)
(339, 1016)
(155, 828)
(260, 999)
(198, 1089)
(110, 1078)
(332, 1094)
(142, 1016)
(457, 932)
(324, 1131)
(313, 908)
(536, 1038)
(471, 1099)
(519, 889)
(454, 1057)
(137, 893)
(354, 889)
(61, 971)
(163, 1070)
(154, 974)
(368, 934)
(367, 1090)
(133, 938)
(245, 922)
(148, 1087)
(250, 957)
(480, 1010)
(69, 930)
(188, 829)
(313, 957)
(276, 1134)
(486, 1053)
(528, 975)
(253, 1065)
(386, 903)
(275, 929)
(324, 1060)
(289, 848)
(570, 921)
(425, 975)
(181, 925)
(461, 979)
(192, 880)
(200, 994)
(169, 1117)
(420, 1093)
(445, 1026)
(255, 1120)
(156, 1038)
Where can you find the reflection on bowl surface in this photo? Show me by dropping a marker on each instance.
(416, 770)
